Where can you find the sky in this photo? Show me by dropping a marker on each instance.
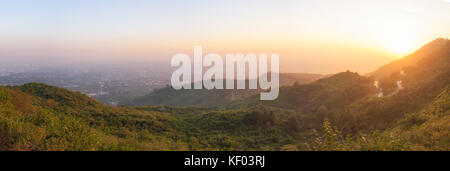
(313, 36)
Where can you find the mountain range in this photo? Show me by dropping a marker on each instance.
(403, 105)
(215, 97)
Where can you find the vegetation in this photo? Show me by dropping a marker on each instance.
(40, 117)
(211, 98)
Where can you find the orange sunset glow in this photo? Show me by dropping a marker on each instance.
(300, 31)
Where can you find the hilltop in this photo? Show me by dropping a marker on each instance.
(212, 98)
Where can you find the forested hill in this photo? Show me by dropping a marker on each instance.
(40, 117)
(212, 98)
(332, 92)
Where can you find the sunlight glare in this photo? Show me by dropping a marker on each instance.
(401, 40)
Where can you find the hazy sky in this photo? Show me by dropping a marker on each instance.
(320, 36)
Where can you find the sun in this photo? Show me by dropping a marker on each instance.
(400, 39)
(401, 44)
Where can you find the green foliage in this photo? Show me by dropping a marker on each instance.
(260, 117)
(333, 140)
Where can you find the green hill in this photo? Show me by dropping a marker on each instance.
(40, 117)
(430, 127)
(334, 91)
(191, 97)
(211, 98)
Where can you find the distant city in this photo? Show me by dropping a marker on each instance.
(110, 84)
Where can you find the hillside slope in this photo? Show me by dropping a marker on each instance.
(437, 47)
(40, 117)
(429, 128)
